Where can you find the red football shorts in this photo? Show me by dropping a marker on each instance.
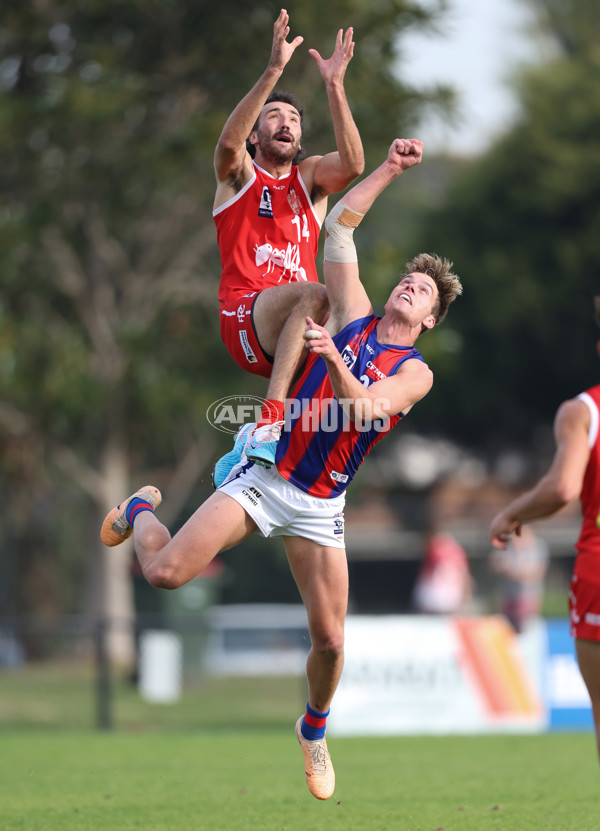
(584, 609)
(239, 335)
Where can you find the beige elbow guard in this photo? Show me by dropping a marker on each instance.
(339, 226)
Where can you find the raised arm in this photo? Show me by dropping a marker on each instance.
(347, 296)
(561, 485)
(403, 154)
(334, 171)
(231, 156)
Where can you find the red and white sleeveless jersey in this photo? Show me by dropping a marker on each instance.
(268, 235)
(320, 448)
(587, 564)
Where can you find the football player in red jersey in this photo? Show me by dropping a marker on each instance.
(573, 474)
(268, 210)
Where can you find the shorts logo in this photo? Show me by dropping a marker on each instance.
(250, 499)
(338, 477)
(250, 356)
(252, 495)
(265, 209)
(338, 524)
(592, 619)
(242, 311)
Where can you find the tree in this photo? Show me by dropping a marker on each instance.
(521, 224)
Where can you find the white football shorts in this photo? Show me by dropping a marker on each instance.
(280, 509)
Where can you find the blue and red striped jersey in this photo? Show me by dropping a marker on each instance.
(321, 448)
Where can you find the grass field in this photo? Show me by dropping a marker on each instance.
(225, 758)
(234, 781)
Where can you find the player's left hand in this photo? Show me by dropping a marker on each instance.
(334, 68)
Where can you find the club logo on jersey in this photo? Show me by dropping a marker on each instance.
(265, 208)
(339, 477)
(248, 352)
(294, 203)
(349, 356)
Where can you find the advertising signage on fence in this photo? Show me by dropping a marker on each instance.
(567, 699)
(418, 675)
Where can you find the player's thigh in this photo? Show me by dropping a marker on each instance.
(272, 308)
(218, 524)
(588, 658)
(321, 574)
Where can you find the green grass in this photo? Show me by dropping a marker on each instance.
(234, 781)
(225, 758)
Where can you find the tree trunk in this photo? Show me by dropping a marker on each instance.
(112, 596)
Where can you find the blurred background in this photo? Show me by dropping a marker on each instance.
(110, 354)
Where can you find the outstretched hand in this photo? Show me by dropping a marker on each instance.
(334, 68)
(282, 51)
(405, 153)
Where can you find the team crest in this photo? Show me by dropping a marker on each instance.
(294, 202)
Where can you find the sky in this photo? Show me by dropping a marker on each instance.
(481, 42)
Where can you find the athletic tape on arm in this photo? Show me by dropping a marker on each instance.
(339, 243)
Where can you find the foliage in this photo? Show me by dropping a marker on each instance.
(521, 225)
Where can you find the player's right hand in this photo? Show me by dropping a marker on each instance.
(405, 153)
(281, 50)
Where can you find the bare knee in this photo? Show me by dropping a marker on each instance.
(315, 302)
(160, 566)
(328, 642)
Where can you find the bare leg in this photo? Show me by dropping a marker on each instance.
(321, 575)
(168, 563)
(588, 657)
(279, 317)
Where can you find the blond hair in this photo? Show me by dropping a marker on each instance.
(439, 269)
